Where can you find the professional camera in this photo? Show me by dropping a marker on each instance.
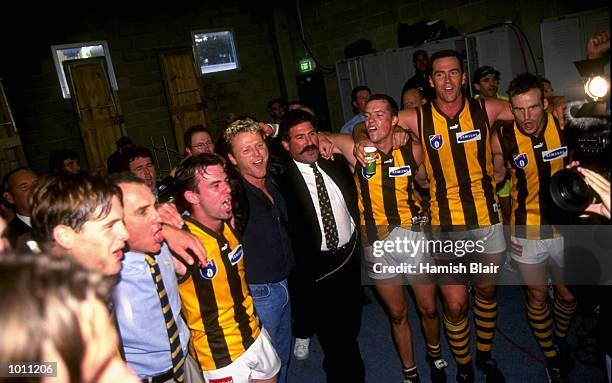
(569, 191)
(588, 137)
(588, 122)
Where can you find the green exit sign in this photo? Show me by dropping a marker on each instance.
(307, 65)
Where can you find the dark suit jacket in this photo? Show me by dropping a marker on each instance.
(306, 236)
(16, 228)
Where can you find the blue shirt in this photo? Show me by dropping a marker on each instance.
(139, 314)
(350, 124)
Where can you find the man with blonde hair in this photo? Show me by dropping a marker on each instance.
(261, 211)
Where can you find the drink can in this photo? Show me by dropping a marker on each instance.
(370, 159)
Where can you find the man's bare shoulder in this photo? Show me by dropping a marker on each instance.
(498, 110)
(408, 118)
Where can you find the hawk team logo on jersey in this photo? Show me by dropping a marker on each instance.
(209, 271)
(553, 154)
(520, 160)
(472, 135)
(435, 141)
(235, 255)
(400, 171)
(365, 175)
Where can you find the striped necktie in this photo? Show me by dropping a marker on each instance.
(327, 214)
(178, 358)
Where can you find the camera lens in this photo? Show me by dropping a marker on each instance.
(569, 191)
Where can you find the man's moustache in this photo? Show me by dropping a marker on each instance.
(309, 147)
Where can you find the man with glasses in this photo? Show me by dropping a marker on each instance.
(198, 140)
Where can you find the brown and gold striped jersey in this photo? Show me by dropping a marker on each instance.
(532, 162)
(386, 198)
(459, 166)
(216, 301)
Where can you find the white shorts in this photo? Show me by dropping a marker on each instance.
(259, 361)
(491, 239)
(534, 251)
(393, 255)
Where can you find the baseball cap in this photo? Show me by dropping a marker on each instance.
(483, 71)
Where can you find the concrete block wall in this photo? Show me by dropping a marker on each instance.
(330, 25)
(267, 49)
(135, 36)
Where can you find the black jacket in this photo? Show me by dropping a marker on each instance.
(16, 228)
(306, 236)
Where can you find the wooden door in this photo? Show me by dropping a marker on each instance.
(183, 91)
(97, 109)
(11, 150)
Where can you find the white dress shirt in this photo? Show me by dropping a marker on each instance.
(24, 219)
(344, 221)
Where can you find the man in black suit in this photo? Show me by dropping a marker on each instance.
(323, 215)
(18, 185)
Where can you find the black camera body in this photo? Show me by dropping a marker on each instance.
(569, 191)
(588, 138)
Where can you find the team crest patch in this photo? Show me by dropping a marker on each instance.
(520, 160)
(209, 271)
(553, 154)
(435, 141)
(472, 135)
(235, 255)
(400, 171)
(365, 175)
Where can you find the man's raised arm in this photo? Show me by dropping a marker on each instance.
(334, 143)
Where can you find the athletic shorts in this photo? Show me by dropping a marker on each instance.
(397, 255)
(483, 240)
(260, 361)
(469, 247)
(534, 251)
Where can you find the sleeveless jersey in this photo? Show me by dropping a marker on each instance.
(533, 161)
(459, 166)
(386, 198)
(216, 301)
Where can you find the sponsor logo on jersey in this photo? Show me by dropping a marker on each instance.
(453, 126)
(472, 135)
(400, 171)
(235, 255)
(553, 154)
(521, 160)
(390, 160)
(210, 270)
(435, 141)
